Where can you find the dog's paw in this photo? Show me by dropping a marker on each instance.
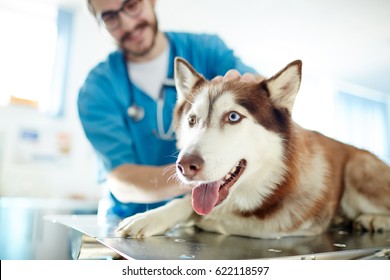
(373, 223)
(143, 225)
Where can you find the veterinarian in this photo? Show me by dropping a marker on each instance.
(126, 103)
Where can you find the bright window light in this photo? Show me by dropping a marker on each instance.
(363, 120)
(30, 41)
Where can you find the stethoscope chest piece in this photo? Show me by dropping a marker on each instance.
(136, 113)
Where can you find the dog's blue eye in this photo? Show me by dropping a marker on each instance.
(234, 117)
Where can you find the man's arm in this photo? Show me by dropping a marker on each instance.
(145, 184)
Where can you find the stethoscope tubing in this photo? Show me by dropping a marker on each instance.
(137, 112)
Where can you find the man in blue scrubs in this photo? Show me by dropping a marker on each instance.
(126, 111)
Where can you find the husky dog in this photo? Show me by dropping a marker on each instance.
(255, 172)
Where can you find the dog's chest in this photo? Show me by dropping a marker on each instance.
(224, 222)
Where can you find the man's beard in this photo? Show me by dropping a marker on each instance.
(145, 51)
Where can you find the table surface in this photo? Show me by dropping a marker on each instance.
(192, 243)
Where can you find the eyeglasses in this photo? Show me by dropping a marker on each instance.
(110, 19)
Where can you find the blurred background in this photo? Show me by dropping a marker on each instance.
(48, 46)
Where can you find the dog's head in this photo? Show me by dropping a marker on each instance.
(232, 134)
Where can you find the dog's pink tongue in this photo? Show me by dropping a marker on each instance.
(204, 197)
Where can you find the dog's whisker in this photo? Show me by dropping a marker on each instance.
(173, 177)
(189, 102)
(169, 168)
(173, 155)
(192, 95)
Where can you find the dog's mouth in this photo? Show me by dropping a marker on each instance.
(206, 196)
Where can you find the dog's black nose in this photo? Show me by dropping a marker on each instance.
(190, 165)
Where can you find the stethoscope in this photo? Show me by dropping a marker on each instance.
(137, 112)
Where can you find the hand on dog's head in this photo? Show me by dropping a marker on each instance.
(233, 74)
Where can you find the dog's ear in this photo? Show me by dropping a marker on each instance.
(185, 78)
(283, 87)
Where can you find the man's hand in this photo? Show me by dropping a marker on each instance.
(145, 184)
(233, 74)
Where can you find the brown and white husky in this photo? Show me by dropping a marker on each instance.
(255, 172)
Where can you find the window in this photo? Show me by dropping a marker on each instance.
(363, 120)
(35, 40)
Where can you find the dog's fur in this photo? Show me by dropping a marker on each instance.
(257, 173)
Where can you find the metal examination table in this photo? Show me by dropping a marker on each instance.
(192, 243)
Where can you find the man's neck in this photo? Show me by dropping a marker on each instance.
(160, 45)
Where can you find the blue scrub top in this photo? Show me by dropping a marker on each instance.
(107, 93)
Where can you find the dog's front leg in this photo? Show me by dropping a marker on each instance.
(157, 221)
